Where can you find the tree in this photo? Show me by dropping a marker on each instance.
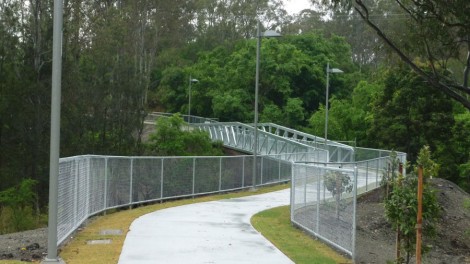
(401, 207)
(440, 34)
(338, 183)
(348, 119)
(172, 137)
(292, 78)
(413, 115)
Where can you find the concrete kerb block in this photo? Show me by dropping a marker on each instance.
(53, 261)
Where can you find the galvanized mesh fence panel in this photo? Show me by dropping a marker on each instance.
(118, 182)
(91, 184)
(207, 175)
(177, 177)
(323, 204)
(233, 172)
(97, 184)
(65, 197)
(323, 198)
(147, 175)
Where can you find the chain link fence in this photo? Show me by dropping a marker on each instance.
(324, 195)
(92, 184)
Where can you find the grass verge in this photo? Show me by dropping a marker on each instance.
(275, 225)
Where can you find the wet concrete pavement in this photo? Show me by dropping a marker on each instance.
(210, 232)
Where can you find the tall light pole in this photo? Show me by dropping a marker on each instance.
(191, 81)
(55, 134)
(328, 71)
(267, 34)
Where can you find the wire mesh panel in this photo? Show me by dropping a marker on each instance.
(269, 170)
(118, 181)
(248, 171)
(66, 201)
(232, 172)
(206, 175)
(97, 184)
(81, 187)
(177, 177)
(146, 179)
(321, 204)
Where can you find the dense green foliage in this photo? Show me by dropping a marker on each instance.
(173, 137)
(16, 210)
(122, 59)
(401, 206)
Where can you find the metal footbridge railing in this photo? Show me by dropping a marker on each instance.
(241, 137)
(337, 152)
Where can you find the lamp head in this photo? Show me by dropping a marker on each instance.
(335, 70)
(271, 34)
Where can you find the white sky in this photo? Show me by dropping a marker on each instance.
(295, 6)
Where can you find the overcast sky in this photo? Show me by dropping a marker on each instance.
(295, 6)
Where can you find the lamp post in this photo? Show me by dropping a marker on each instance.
(55, 134)
(191, 80)
(328, 71)
(267, 34)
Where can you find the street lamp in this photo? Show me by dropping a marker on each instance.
(259, 35)
(328, 71)
(191, 80)
(55, 134)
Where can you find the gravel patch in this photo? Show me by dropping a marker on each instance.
(29, 245)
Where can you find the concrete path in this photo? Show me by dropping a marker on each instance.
(211, 232)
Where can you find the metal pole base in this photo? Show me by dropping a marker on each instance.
(53, 261)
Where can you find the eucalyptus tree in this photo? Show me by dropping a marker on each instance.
(440, 35)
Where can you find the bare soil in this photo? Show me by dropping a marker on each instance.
(27, 246)
(376, 239)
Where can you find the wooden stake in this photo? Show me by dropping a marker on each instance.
(419, 221)
(398, 238)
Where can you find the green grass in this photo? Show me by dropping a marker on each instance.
(275, 225)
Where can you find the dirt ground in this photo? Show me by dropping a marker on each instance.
(376, 239)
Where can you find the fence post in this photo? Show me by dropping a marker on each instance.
(261, 170)
(353, 246)
(305, 186)
(220, 174)
(194, 174)
(243, 172)
(131, 182)
(279, 166)
(377, 174)
(318, 201)
(292, 192)
(367, 175)
(88, 186)
(75, 193)
(105, 202)
(161, 181)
